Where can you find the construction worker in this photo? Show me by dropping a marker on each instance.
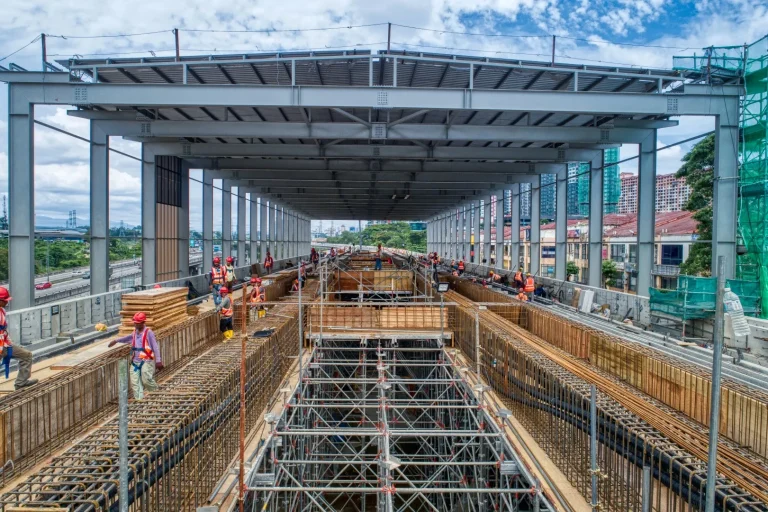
(377, 266)
(230, 268)
(530, 285)
(518, 279)
(268, 263)
(303, 274)
(257, 297)
(145, 358)
(295, 286)
(9, 352)
(460, 268)
(314, 258)
(522, 297)
(218, 276)
(226, 311)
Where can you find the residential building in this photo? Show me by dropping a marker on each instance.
(628, 198)
(525, 201)
(548, 196)
(671, 193)
(578, 185)
(611, 181)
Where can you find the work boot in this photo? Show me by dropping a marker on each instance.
(30, 382)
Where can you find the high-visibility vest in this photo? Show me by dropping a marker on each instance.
(461, 265)
(523, 297)
(218, 274)
(145, 352)
(230, 271)
(5, 338)
(268, 262)
(518, 276)
(258, 295)
(227, 312)
(529, 285)
(295, 286)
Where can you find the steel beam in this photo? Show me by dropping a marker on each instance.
(535, 242)
(688, 100)
(21, 200)
(646, 215)
(148, 217)
(561, 223)
(726, 188)
(596, 222)
(515, 226)
(207, 220)
(99, 210)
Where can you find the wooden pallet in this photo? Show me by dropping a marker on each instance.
(163, 306)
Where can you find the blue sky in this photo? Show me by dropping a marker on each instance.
(588, 31)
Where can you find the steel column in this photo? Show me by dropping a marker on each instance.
(467, 237)
(241, 226)
(273, 228)
(487, 222)
(254, 232)
(207, 221)
(476, 212)
(21, 201)
(725, 199)
(535, 242)
(596, 222)
(183, 226)
(263, 228)
(499, 229)
(514, 197)
(148, 217)
(561, 223)
(99, 210)
(226, 218)
(646, 214)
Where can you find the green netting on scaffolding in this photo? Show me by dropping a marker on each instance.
(695, 297)
(753, 175)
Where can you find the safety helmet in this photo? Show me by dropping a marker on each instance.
(230, 259)
(253, 280)
(258, 280)
(216, 260)
(5, 294)
(139, 318)
(223, 290)
(157, 286)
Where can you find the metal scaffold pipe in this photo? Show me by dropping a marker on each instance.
(717, 366)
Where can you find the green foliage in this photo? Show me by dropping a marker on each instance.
(697, 169)
(609, 272)
(396, 235)
(571, 268)
(124, 249)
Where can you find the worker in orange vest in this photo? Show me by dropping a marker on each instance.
(522, 297)
(217, 278)
(23, 355)
(295, 286)
(226, 311)
(518, 279)
(530, 286)
(230, 269)
(268, 263)
(461, 266)
(257, 297)
(145, 358)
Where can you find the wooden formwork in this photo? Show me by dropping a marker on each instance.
(374, 281)
(389, 317)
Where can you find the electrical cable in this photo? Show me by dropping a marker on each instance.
(598, 41)
(470, 33)
(269, 30)
(104, 36)
(469, 49)
(23, 47)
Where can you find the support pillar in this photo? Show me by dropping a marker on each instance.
(207, 221)
(226, 219)
(561, 223)
(487, 223)
(596, 221)
(183, 226)
(452, 234)
(467, 236)
(476, 211)
(254, 234)
(21, 200)
(499, 263)
(726, 187)
(241, 260)
(280, 242)
(148, 217)
(99, 210)
(535, 245)
(514, 197)
(273, 229)
(646, 214)
(263, 228)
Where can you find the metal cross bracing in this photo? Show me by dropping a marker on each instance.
(388, 424)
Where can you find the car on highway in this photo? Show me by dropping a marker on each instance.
(43, 286)
(87, 275)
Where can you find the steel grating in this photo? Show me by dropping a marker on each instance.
(388, 424)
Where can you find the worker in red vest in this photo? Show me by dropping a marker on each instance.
(145, 358)
(9, 351)
(268, 263)
(530, 286)
(217, 278)
(226, 312)
(257, 297)
(461, 267)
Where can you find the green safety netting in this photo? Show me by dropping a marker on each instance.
(695, 297)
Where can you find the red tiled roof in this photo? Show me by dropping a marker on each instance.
(667, 223)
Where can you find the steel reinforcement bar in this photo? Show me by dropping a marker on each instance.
(548, 390)
(181, 438)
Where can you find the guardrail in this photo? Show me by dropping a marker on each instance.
(39, 324)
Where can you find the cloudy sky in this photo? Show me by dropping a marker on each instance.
(644, 33)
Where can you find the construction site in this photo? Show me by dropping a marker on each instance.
(374, 380)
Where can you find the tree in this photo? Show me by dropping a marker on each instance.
(698, 171)
(609, 272)
(396, 235)
(571, 269)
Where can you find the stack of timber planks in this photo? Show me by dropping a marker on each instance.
(163, 306)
